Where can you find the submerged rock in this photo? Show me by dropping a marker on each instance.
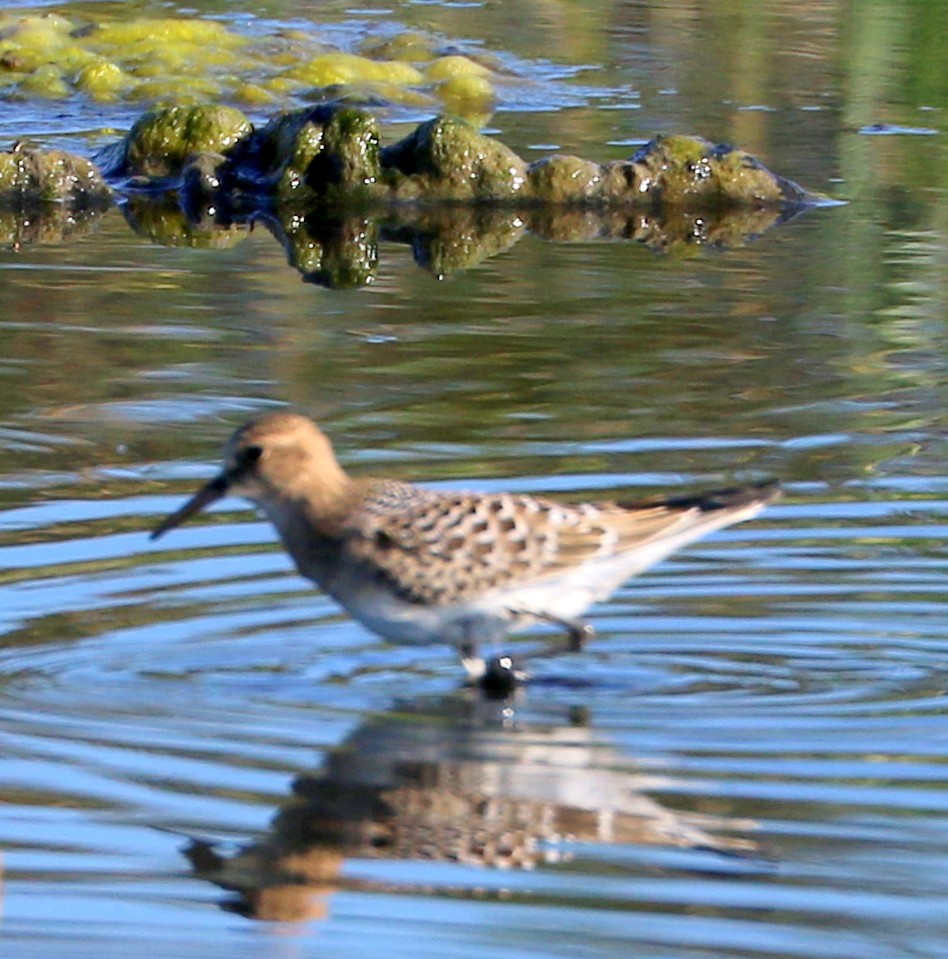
(163, 140)
(330, 151)
(681, 170)
(40, 176)
(448, 159)
(566, 179)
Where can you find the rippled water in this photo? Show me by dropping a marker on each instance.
(750, 758)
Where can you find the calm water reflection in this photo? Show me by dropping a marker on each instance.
(749, 761)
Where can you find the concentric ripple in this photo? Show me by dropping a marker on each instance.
(742, 713)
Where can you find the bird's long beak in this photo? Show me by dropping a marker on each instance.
(213, 491)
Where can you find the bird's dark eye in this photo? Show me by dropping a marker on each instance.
(249, 455)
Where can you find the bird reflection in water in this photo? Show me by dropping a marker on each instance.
(454, 780)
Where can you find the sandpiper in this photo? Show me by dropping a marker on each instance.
(422, 566)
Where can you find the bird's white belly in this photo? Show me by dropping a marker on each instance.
(485, 619)
(416, 624)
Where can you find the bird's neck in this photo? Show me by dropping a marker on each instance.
(313, 527)
(316, 509)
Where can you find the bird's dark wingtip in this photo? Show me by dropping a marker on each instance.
(730, 498)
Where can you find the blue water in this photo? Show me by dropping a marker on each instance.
(202, 756)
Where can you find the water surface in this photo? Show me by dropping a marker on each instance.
(202, 756)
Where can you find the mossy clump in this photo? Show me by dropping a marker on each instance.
(445, 68)
(683, 170)
(326, 152)
(41, 176)
(162, 140)
(103, 81)
(448, 159)
(565, 179)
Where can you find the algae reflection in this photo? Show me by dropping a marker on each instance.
(458, 781)
(338, 249)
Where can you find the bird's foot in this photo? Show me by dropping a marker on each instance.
(501, 678)
(497, 677)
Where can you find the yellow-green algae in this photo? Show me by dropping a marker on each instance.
(412, 47)
(190, 60)
(679, 170)
(447, 159)
(330, 69)
(162, 140)
(315, 153)
(38, 176)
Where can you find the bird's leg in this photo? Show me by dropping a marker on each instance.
(473, 663)
(579, 633)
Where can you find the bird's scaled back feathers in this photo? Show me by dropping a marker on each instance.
(439, 549)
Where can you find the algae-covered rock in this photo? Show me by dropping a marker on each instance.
(204, 176)
(680, 170)
(38, 176)
(448, 159)
(326, 151)
(162, 140)
(331, 153)
(565, 179)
